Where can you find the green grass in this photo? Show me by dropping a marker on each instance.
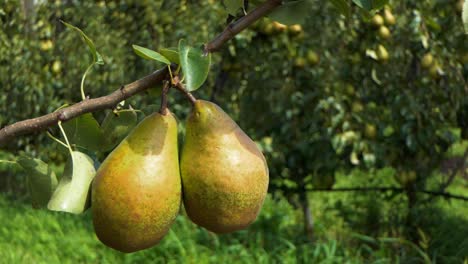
(40, 236)
(349, 228)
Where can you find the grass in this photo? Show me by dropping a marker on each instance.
(349, 228)
(40, 236)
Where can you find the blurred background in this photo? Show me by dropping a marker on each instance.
(341, 107)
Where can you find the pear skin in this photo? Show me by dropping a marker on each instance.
(224, 174)
(136, 194)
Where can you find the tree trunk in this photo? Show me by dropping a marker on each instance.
(28, 13)
(308, 220)
(411, 226)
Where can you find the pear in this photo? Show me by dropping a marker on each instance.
(427, 61)
(136, 193)
(377, 21)
(384, 32)
(382, 53)
(224, 174)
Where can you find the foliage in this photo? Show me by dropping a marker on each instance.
(335, 94)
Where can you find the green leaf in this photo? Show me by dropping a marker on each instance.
(371, 4)
(97, 58)
(41, 180)
(465, 15)
(342, 6)
(116, 127)
(171, 54)
(294, 12)
(73, 192)
(150, 54)
(232, 6)
(195, 65)
(84, 131)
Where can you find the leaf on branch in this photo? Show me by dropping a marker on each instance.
(84, 131)
(41, 180)
(342, 6)
(232, 6)
(171, 54)
(97, 58)
(73, 192)
(150, 54)
(195, 65)
(116, 126)
(293, 12)
(371, 4)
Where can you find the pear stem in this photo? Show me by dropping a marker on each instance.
(165, 90)
(181, 88)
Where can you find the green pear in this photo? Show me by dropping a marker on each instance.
(136, 194)
(72, 193)
(224, 174)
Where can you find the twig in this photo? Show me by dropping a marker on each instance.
(105, 102)
(460, 166)
(392, 189)
(235, 27)
(165, 89)
(181, 88)
(444, 194)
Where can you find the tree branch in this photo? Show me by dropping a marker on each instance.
(109, 101)
(236, 27)
(392, 189)
(83, 107)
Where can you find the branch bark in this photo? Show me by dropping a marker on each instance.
(90, 105)
(109, 101)
(390, 189)
(236, 27)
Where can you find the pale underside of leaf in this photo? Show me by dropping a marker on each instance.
(73, 191)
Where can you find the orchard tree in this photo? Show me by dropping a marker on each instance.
(323, 86)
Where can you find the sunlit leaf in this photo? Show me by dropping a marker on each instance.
(195, 65)
(171, 54)
(97, 58)
(150, 54)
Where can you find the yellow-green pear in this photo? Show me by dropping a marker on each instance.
(295, 29)
(370, 131)
(427, 61)
(136, 194)
(384, 32)
(224, 174)
(382, 53)
(389, 17)
(300, 62)
(377, 21)
(312, 57)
